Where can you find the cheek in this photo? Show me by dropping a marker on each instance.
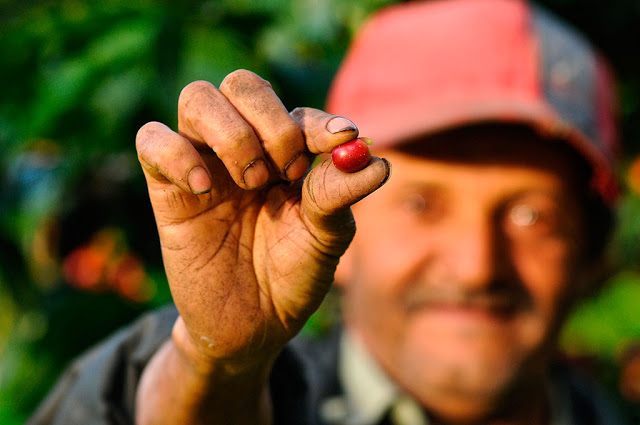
(379, 264)
(386, 245)
(546, 273)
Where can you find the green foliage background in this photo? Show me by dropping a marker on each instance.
(78, 79)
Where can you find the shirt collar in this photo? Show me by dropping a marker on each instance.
(369, 392)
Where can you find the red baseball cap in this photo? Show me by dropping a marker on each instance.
(423, 67)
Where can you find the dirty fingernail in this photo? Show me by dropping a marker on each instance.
(338, 124)
(386, 178)
(297, 167)
(198, 180)
(256, 174)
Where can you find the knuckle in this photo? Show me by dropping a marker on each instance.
(238, 135)
(244, 134)
(298, 112)
(242, 81)
(289, 131)
(193, 90)
(147, 132)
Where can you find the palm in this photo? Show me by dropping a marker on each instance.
(244, 266)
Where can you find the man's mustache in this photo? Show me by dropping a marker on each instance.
(498, 298)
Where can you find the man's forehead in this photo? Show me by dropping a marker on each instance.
(490, 143)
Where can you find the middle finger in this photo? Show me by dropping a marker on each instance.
(280, 135)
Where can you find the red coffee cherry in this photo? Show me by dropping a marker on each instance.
(352, 156)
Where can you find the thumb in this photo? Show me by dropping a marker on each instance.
(328, 193)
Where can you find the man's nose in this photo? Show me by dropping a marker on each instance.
(474, 254)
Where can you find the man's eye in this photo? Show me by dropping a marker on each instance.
(424, 206)
(529, 220)
(524, 215)
(414, 203)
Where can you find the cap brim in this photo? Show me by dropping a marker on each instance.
(388, 129)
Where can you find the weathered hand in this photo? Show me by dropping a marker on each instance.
(248, 249)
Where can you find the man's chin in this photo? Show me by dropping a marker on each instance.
(457, 410)
(468, 367)
(463, 393)
(457, 401)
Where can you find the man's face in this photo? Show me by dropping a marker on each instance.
(462, 266)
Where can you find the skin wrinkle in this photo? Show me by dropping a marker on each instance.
(228, 236)
(263, 108)
(238, 136)
(152, 131)
(348, 226)
(174, 200)
(169, 201)
(154, 169)
(324, 247)
(260, 336)
(255, 314)
(287, 197)
(324, 184)
(178, 221)
(242, 83)
(267, 296)
(222, 301)
(177, 249)
(298, 115)
(235, 134)
(187, 102)
(311, 190)
(223, 242)
(270, 136)
(190, 264)
(180, 199)
(278, 273)
(287, 236)
(241, 136)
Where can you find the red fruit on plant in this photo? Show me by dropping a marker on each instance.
(352, 156)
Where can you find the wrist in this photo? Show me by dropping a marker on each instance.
(180, 385)
(196, 355)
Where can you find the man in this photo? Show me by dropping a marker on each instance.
(498, 122)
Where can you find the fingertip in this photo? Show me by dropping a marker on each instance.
(297, 167)
(388, 167)
(256, 174)
(340, 124)
(199, 180)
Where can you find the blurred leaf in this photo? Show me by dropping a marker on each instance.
(245, 7)
(210, 54)
(605, 325)
(118, 96)
(132, 39)
(626, 244)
